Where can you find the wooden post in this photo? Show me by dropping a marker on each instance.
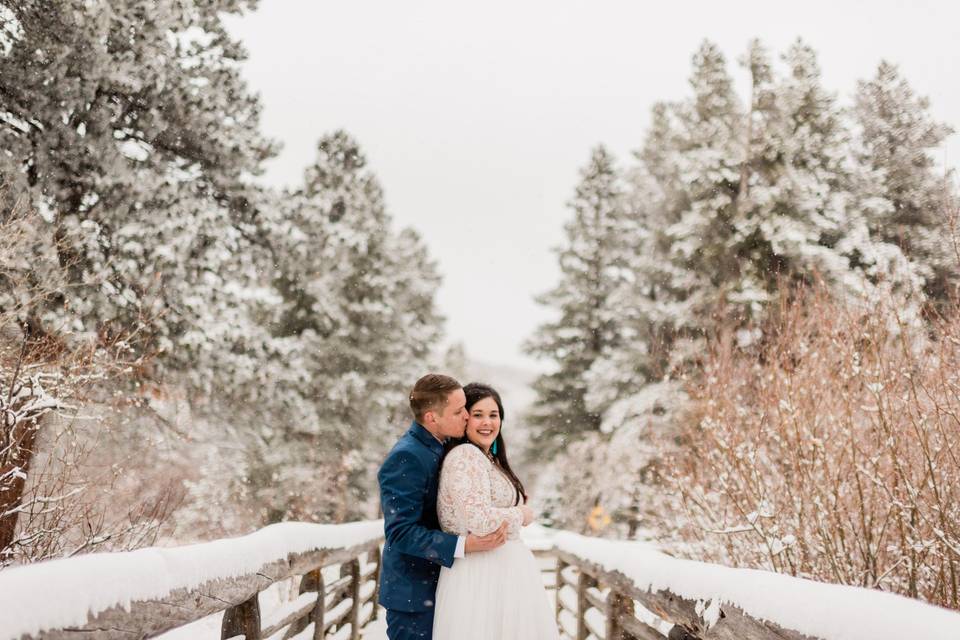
(561, 565)
(243, 619)
(584, 582)
(375, 557)
(618, 607)
(352, 569)
(679, 633)
(312, 581)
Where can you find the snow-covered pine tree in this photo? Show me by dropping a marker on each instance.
(592, 266)
(644, 304)
(650, 298)
(336, 280)
(813, 200)
(454, 361)
(128, 126)
(706, 158)
(795, 197)
(765, 196)
(727, 207)
(418, 327)
(356, 318)
(898, 136)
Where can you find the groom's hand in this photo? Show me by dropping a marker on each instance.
(487, 542)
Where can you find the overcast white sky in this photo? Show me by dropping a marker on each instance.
(477, 116)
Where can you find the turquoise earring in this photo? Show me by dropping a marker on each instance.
(493, 449)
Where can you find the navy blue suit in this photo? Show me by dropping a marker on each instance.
(415, 547)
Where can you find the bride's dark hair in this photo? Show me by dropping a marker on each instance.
(475, 392)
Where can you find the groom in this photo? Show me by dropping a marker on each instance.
(415, 546)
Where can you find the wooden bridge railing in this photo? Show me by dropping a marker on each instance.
(593, 603)
(338, 590)
(621, 590)
(337, 608)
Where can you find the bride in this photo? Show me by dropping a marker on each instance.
(496, 595)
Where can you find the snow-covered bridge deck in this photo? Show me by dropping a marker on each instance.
(266, 586)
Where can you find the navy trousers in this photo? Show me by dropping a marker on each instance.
(407, 625)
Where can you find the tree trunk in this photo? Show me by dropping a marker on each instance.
(14, 467)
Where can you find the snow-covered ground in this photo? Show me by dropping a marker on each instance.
(272, 602)
(376, 630)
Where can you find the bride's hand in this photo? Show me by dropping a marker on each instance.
(527, 514)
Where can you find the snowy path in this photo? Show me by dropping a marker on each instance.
(376, 630)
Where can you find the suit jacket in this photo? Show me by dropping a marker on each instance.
(415, 547)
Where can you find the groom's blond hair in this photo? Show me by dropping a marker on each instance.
(431, 393)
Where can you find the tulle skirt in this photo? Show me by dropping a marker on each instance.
(497, 595)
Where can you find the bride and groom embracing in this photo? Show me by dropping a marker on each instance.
(453, 566)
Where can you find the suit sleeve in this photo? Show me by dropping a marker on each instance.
(403, 487)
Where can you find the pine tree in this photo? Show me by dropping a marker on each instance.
(336, 277)
(591, 263)
(707, 154)
(644, 302)
(766, 196)
(730, 204)
(686, 213)
(357, 316)
(898, 137)
(795, 194)
(817, 200)
(128, 126)
(299, 317)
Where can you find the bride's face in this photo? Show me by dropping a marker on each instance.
(484, 423)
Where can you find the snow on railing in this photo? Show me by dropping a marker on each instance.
(623, 590)
(139, 594)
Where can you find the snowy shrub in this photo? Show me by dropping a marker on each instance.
(58, 495)
(829, 448)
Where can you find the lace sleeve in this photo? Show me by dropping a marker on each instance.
(466, 476)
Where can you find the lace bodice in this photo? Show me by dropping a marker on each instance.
(475, 496)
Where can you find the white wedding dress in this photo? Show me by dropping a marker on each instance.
(495, 595)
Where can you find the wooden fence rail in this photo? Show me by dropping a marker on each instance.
(323, 609)
(348, 602)
(593, 603)
(338, 598)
